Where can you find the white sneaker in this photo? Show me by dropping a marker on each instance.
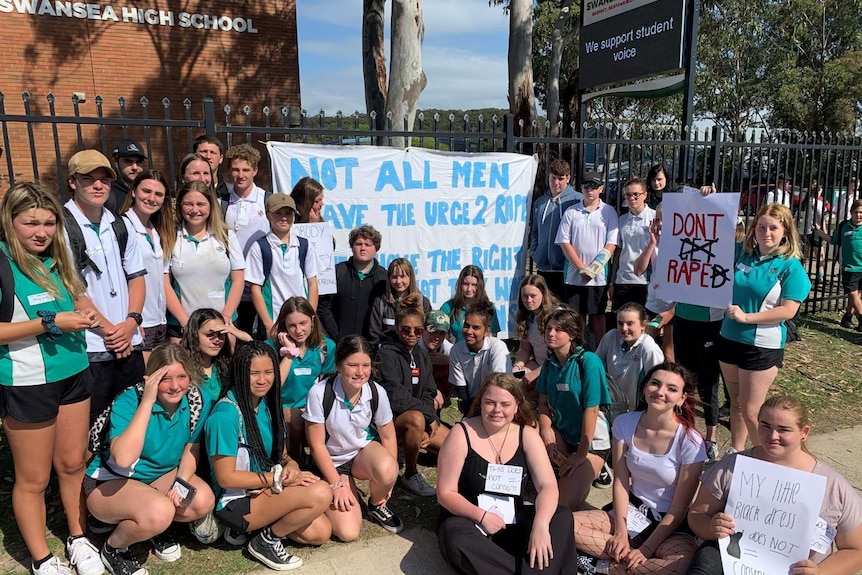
(207, 529)
(84, 556)
(52, 566)
(418, 485)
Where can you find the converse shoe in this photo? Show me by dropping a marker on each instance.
(121, 561)
(269, 550)
(586, 564)
(207, 529)
(711, 451)
(730, 451)
(847, 320)
(234, 537)
(418, 485)
(384, 517)
(605, 478)
(84, 556)
(165, 548)
(52, 566)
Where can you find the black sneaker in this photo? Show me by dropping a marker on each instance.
(384, 517)
(165, 547)
(586, 564)
(605, 478)
(121, 561)
(269, 550)
(847, 320)
(859, 319)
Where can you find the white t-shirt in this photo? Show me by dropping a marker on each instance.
(201, 269)
(634, 237)
(537, 341)
(629, 366)
(348, 428)
(468, 369)
(109, 291)
(653, 303)
(247, 216)
(654, 477)
(588, 232)
(285, 276)
(154, 262)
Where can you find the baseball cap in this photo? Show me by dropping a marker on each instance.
(277, 201)
(87, 161)
(593, 178)
(437, 321)
(128, 149)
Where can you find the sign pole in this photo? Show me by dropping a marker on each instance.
(693, 22)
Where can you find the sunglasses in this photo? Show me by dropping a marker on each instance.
(591, 185)
(631, 196)
(405, 330)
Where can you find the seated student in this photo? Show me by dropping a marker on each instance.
(260, 488)
(473, 535)
(306, 355)
(384, 308)
(783, 428)
(658, 455)
(405, 374)
(571, 388)
(342, 415)
(434, 341)
(477, 354)
(469, 290)
(534, 304)
(151, 443)
(628, 352)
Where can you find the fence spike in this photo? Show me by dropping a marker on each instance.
(166, 102)
(50, 97)
(266, 110)
(246, 109)
(25, 95)
(145, 101)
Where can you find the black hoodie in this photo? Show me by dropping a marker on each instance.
(393, 363)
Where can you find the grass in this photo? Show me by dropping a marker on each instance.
(823, 369)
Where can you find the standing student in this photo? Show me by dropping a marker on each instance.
(115, 280)
(44, 402)
(152, 218)
(308, 196)
(769, 284)
(211, 149)
(634, 237)
(195, 168)
(535, 304)
(130, 160)
(291, 260)
(343, 445)
(659, 182)
(259, 487)
(469, 290)
(848, 236)
(661, 312)
(384, 308)
(206, 266)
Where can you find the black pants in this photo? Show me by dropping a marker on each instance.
(707, 560)
(471, 553)
(695, 345)
(106, 379)
(245, 316)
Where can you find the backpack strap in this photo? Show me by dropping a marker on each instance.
(265, 256)
(7, 285)
(224, 201)
(122, 233)
(303, 253)
(78, 245)
(329, 398)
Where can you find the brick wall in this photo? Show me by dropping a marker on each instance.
(96, 55)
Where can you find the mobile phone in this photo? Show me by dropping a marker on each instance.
(186, 490)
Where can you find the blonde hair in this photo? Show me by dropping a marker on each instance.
(786, 249)
(27, 196)
(794, 406)
(215, 222)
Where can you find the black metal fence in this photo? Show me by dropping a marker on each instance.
(38, 137)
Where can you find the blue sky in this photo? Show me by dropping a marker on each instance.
(464, 55)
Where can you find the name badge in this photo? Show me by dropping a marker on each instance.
(176, 264)
(243, 215)
(302, 371)
(562, 387)
(215, 294)
(824, 534)
(39, 298)
(504, 479)
(744, 268)
(502, 506)
(387, 321)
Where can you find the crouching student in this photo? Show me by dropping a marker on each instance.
(144, 477)
(259, 487)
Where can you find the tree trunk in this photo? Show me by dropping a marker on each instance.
(374, 61)
(522, 97)
(406, 78)
(559, 41)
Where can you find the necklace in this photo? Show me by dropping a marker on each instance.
(497, 452)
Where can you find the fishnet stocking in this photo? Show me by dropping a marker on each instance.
(592, 530)
(673, 556)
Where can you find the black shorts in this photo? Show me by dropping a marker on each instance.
(627, 293)
(587, 300)
(749, 357)
(175, 331)
(39, 403)
(154, 336)
(345, 468)
(851, 281)
(233, 514)
(654, 520)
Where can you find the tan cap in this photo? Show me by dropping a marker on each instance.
(277, 201)
(87, 161)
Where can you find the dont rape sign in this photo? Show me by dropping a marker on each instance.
(696, 249)
(439, 210)
(775, 513)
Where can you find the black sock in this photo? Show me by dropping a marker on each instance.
(37, 564)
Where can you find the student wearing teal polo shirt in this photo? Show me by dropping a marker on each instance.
(469, 290)
(769, 284)
(848, 235)
(138, 481)
(571, 387)
(306, 355)
(44, 404)
(259, 486)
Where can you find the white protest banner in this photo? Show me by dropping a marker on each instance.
(696, 249)
(319, 237)
(774, 510)
(439, 210)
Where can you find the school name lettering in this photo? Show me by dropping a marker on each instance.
(129, 15)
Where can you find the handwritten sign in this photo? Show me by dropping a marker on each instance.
(775, 510)
(439, 210)
(696, 249)
(505, 479)
(319, 236)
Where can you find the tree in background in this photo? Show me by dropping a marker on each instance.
(522, 96)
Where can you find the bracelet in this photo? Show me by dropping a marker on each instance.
(338, 485)
(52, 332)
(289, 351)
(483, 517)
(277, 471)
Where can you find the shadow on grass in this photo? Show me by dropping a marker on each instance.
(829, 325)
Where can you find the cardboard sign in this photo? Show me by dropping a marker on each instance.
(319, 236)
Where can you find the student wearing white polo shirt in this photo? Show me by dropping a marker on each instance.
(115, 282)
(292, 264)
(634, 237)
(206, 266)
(588, 236)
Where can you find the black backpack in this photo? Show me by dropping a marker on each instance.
(329, 398)
(79, 246)
(7, 285)
(619, 402)
(266, 255)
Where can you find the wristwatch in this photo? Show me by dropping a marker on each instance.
(139, 319)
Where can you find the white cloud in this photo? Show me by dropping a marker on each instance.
(463, 17)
